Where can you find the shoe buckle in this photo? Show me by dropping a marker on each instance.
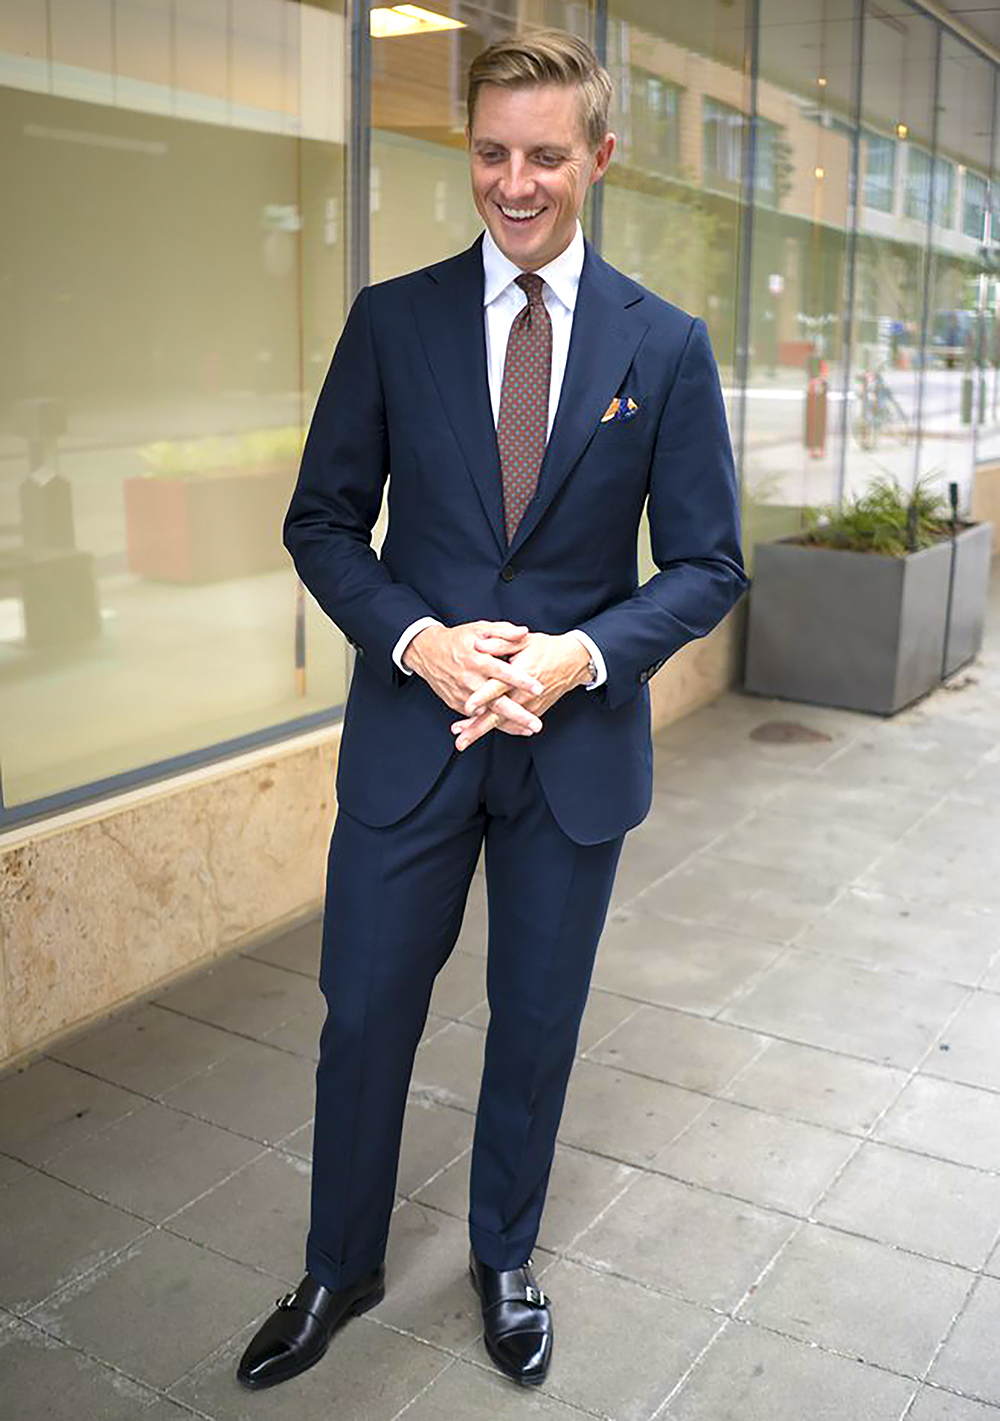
(286, 1301)
(534, 1296)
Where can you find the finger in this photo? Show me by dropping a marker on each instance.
(497, 646)
(475, 730)
(509, 710)
(509, 631)
(503, 678)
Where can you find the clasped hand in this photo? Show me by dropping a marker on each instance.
(498, 676)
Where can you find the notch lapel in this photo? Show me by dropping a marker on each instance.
(449, 312)
(607, 331)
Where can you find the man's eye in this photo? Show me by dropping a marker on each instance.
(490, 155)
(549, 160)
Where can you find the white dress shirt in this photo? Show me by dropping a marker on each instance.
(502, 300)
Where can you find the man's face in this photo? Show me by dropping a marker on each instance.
(531, 167)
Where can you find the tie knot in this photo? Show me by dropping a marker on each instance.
(531, 284)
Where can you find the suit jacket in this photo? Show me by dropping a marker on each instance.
(407, 391)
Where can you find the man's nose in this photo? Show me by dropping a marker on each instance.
(517, 180)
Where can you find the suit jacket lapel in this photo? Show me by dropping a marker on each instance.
(449, 313)
(607, 330)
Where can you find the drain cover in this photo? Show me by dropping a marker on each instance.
(786, 732)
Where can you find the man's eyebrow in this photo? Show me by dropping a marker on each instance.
(538, 147)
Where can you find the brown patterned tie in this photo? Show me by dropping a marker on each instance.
(522, 424)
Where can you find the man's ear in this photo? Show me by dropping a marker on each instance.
(602, 157)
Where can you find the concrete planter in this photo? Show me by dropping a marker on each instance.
(860, 630)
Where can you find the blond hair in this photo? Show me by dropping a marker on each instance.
(546, 57)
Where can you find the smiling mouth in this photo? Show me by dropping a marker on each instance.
(520, 216)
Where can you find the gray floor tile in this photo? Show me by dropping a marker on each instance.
(929, 878)
(257, 1091)
(148, 1050)
(260, 1216)
(433, 1136)
(460, 985)
(604, 1013)
(676, 964)
(769, 1160)
(936, 1208)
(52, 1234)
(956, 1122)
(48, 1106)
(915, 763)
(11, 1170)
(299, 1142)
(831, 1288)
(40, 1377)
(242, 995)
(955, 831)
(153, 1162)
(824, 799)
(466, 1392)
(590, 1366)
(580, 1186)
(448, 1067)
(970, 1359)
(155, 1309)
(887, 1017)
(473, 934)
(933, 1405)
(750, 1375)
(625, 1116)
(369, 1374)
(744, 784)
(764, 903)
(651, 851)
(820, 1087)
(300, 1033)
(970, 1049)
(297, 949)
(699, 1246)
(685, 1050)
(166, 1410)
(428, 1290)
(882, 931)
(830, 848)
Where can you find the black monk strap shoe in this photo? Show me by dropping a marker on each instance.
(516, 1320)
(298, 1332)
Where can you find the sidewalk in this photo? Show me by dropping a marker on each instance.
(777, 1192)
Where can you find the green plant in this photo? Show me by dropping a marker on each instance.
(887, 518)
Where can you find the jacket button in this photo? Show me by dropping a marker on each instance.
(643, 677)
(507, 574)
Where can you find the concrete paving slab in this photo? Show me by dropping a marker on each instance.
(970, 1359)
(258, 1091)
(755, 1375)
(42, 1377)
(428, 1291)
(12, 1169)
(818, 1086)
(890, 1018)
(953, 1122)
(942, 1210)
(259, 1216)
(833, 849)
(433, 1136)
(153, 1162)
(654, 958)
(369, 1374)
(934, 1405)
(52, 1234)
(149, 1050)
(684, 1050)
(460, 985)
(970, 1049)
(242, 995)
(822, 800)
(763, 903)
(297, 950)
(621, 1347)
(155, 1309)
(698, 1246)
(882, 931)
(831, 1288)
(739, 1150)
(48, 1106)
(627, 1117)
(447, 1067)
(478, 1393)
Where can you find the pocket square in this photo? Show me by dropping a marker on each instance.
(621, 407)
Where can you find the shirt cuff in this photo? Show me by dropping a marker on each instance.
(596, 657)
(407, 637)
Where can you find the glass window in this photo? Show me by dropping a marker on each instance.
(879, 157)
(974, 205)
(917, 195)
(654, 138)
(174, 176)
(723, 136)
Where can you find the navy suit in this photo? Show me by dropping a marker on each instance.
(407, 390)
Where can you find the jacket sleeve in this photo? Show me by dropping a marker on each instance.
(694, 523)
(337, 499)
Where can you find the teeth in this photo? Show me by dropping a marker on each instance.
(520, 214)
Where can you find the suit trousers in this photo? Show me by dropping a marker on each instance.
(394, 905)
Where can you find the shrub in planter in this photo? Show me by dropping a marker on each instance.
(871, 604)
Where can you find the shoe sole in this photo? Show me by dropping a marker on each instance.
(497, 1361)
(362, 1305)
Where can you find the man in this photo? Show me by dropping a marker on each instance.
(529, 401)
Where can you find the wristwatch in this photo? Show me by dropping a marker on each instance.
(591, 672)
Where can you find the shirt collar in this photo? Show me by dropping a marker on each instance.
(562, 274)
